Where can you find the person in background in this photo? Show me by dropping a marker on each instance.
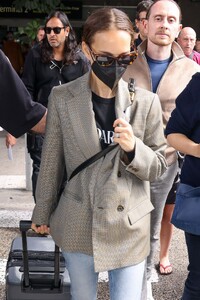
(13, 51)
(18, 113)
(136, 32)
(160, 65)
(183, 133)
(39, 36)
(54, 61)
(197, 45)
(141, 12)
(187, 40)
(102, 219)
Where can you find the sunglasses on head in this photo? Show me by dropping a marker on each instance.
(122, 60)
(56, 30)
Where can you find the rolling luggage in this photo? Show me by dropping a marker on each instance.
(36, 269)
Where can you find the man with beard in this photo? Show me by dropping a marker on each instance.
(162, 67)
(56, 60)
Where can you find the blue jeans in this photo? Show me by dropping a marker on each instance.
(192, 283)
(124, 283)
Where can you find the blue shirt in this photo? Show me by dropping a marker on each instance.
(157, 69)
(185, 119)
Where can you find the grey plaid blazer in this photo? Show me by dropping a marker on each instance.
(104, 211)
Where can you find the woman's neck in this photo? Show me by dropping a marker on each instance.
(99, 88)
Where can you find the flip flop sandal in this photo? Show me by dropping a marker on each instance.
(164, 268)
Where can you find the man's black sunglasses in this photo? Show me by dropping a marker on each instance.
(122, 60)
(56, 30)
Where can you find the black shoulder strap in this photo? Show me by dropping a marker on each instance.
(91, 160)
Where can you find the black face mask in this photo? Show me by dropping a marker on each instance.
(109, 75)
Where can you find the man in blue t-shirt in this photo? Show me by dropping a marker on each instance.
(162, 67)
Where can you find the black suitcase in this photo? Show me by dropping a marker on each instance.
(37, 273)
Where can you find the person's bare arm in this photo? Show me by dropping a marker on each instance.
(183, 144)
(40, 126)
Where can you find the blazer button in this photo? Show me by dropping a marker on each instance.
(119, 174)
(120, 208)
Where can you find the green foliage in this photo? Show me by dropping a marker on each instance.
(31, 29)
(39, 5)
(28, 34)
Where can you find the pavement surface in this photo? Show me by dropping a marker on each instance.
(16, 203)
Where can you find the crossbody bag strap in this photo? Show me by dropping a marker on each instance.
(91, 160)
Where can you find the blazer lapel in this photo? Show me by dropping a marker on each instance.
(81, 108)
(122, 101)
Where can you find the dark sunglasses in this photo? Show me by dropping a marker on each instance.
(56, 30)
(122, 60)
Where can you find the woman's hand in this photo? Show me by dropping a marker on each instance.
(124, 135)
(42, 229)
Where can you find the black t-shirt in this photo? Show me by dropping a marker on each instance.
(104, 110)
(18, 113)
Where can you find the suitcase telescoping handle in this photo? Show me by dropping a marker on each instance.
(24, 226)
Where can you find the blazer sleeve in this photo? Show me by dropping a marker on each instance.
(52, 167)
(149, 161)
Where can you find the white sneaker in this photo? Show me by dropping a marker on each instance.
(149, 291)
